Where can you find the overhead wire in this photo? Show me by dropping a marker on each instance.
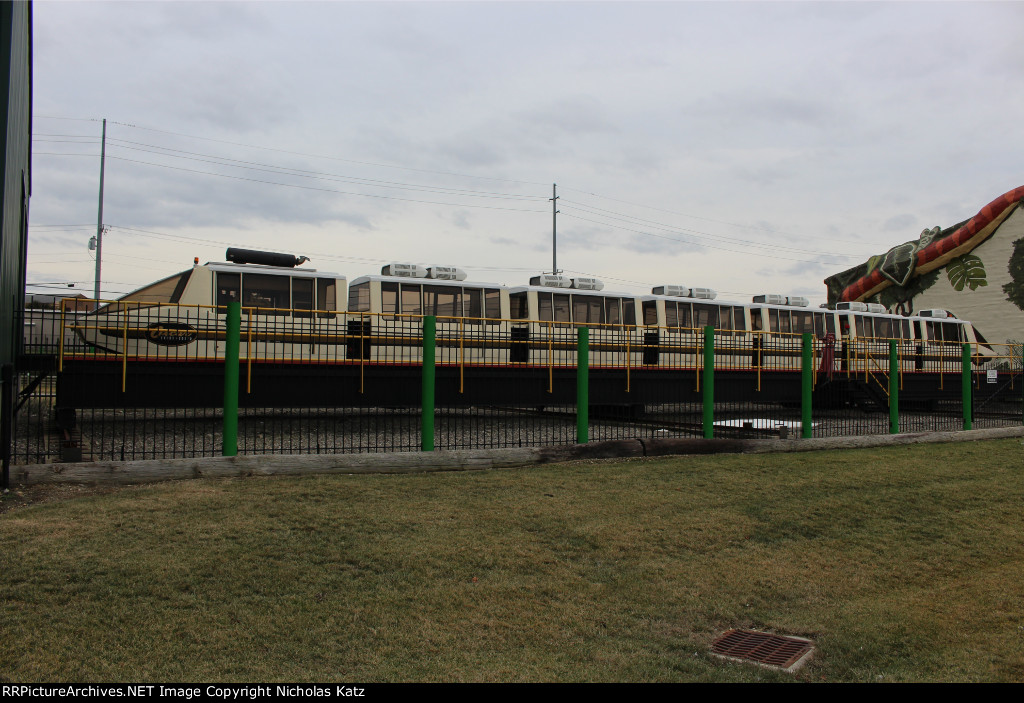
(323, 156)
(271, 168)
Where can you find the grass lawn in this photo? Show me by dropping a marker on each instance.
(903, 564)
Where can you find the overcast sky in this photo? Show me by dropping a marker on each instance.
(746, 147)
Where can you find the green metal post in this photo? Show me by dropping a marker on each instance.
(965, 384)
(894, 389)
(229, 446)
(427, 410)
(583, 386)
(709, 382)
(807, 385)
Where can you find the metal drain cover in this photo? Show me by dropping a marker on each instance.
(773, 651)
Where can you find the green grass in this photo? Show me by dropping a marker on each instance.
(903, 564)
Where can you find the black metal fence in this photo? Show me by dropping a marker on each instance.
(147, 382)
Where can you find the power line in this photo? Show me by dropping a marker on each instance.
(322, 190)
(302, 173)
(322, 156)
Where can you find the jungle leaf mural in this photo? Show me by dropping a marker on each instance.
(967, 270)
(900, 298)
(1015, 288)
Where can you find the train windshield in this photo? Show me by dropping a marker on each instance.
(166, 290)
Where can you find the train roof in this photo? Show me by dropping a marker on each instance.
(572, 291)
(427, 281)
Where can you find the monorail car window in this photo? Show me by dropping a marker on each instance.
(302, 297)
(518, 306)
(472, 301)
(756, 321)
(704, 315)
(553, 307)
(492, 305)
(442, 301)
(166, 290)
(479, 303)
(731, 319)
(613, 310)
(179, 288)
(358, 298)
(943, 331)
(268, 294)
(388, 299)
(649, 310)
(803, 322)
(587, 309)
(819, 324)
(229, 287)
(412, 300)
(884, 328)
(326, 297)
(778, 322)
(628, 312)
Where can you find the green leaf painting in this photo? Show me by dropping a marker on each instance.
(1015, 288)
(966, 271)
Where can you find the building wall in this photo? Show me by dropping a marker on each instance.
(987, 307)
(16, 146)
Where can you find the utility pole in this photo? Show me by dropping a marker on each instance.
(554, 228)
(99, 218)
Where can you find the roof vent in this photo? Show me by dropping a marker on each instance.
(876, 307)
(551, 281)
(446, 273)
(587, 284)
(404, 270)
(798, 301)
(933, 313)
(703, 293)
(853, 307)
(674, 291)
(770, 299)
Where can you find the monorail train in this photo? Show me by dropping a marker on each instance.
(314, 338)
(302, 313)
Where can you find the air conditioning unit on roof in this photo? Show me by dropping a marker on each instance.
(551, 281)
(404, 270)
(674, 291)
(446, 273)
(587, 284)
(853, 307)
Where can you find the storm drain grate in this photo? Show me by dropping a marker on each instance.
(776, 651)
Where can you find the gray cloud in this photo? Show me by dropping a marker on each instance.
(900, 223)
(823, 119)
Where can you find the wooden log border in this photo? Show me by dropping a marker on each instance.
(152, 470)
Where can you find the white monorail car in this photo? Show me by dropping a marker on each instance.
(183, 315)
(302, 313)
